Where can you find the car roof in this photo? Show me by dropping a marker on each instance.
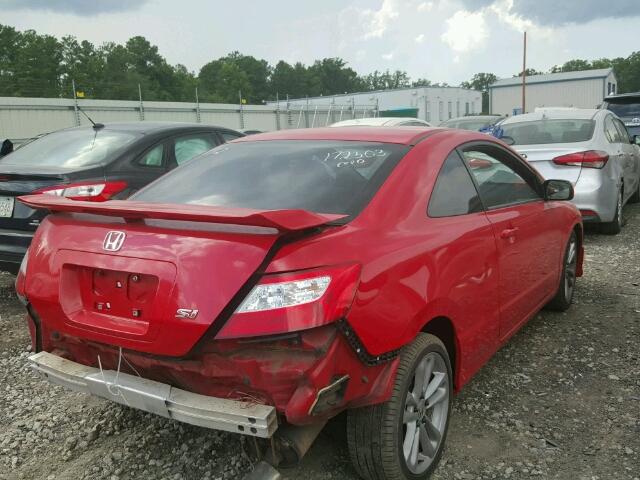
(473, 117)
(400, 135)
(623, 96)
(375, 121)
(145, 127)
(555, 114)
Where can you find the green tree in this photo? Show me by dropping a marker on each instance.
(11, 43)
(530, 72)
(293, 80)
(82, 63)
(386, 80)
(37, 68)
(257, 72)
(334, 77)
(572, 65)
(421, 82)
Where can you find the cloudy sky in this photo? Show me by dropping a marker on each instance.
(442, 40)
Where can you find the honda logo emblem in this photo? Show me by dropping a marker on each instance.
(113, 241)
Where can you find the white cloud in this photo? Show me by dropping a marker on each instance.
(503, 9)
(420, 38)
(465, 31)
(377, 21)
(425, 6)
(387, 56)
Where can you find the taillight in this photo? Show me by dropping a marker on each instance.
(91, 192)
(588, 159)
(290, 302)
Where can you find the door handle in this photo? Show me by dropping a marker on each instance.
(509, 233)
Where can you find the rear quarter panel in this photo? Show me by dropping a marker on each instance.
(414, 268)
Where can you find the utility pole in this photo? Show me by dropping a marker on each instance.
(524, 75)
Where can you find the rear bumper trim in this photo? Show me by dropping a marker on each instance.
(150, 396)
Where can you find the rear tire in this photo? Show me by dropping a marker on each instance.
(564, 296)
(615, 226)
(403, 438)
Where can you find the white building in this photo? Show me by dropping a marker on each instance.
(584, 89)
(433, 104)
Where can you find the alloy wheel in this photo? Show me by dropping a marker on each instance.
(619, 209)
(570, 268)
(425, 413)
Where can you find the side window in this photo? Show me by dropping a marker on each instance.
(228, 136)
(498, 183)
(622, 131)
(153, 157)
(610, 130)
(454, 192)
(189, 146)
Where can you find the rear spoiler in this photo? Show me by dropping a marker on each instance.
(282, 220)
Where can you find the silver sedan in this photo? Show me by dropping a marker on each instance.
(590, 148)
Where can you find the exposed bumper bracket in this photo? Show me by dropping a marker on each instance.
(159, 398)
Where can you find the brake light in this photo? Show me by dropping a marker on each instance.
(294, 301)
(588, 159)
(91, 192)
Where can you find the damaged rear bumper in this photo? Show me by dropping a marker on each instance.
(159, 398)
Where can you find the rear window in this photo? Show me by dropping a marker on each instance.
(71, 148)
(539, 132)
(320, 176)
(625, 109)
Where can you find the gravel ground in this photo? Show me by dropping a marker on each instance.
(560, 401)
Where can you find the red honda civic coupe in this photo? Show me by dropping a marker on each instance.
(277, 280)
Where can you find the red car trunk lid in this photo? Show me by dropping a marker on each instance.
(164, 286)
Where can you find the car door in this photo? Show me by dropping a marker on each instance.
(527, 240)
(617, 154)
(631, 159)
(469, 277)
(184, 147)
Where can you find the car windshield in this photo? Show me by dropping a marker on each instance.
(321, 176)
(475, 124)
(539, 132)
(625, 109)
(70, 148)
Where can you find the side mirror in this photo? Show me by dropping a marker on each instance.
(507, 139)
(6, 148)
(558, 190)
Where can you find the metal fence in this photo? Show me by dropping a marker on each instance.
(24, 118)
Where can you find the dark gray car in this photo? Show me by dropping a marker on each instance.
(91, 163)
(627, 107)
